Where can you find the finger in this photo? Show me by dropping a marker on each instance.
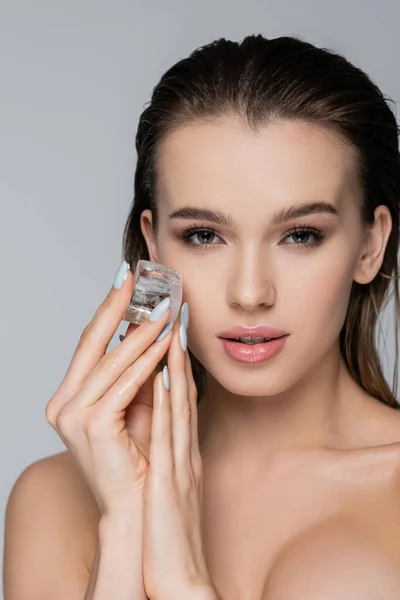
(161, 458)
(93, 342)
(125, 357)
(110, 367)
(121, 393)
(180, 405)
(113, 365)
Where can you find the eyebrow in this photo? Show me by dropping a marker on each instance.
(280, 216)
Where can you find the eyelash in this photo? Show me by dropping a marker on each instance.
(319, 235)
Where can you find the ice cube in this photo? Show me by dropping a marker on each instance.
(153, 283)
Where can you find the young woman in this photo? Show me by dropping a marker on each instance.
(268, 175)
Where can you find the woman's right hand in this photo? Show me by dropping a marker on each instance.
(102, 409)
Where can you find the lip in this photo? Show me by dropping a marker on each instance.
(256, 353)
(257, 331)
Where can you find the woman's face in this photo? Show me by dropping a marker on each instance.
(253, 272)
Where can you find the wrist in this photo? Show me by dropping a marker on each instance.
(121, 523)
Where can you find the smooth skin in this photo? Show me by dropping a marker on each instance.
(300, 465)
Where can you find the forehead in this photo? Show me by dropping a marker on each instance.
(224, 164)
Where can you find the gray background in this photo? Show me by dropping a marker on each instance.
(74, 77)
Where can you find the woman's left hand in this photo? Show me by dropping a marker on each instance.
(174, 565)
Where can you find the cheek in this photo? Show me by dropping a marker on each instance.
(198, 272)
(319, 300)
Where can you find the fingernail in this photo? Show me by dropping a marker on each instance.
(121, 275)
(184, 315)
(183, 337)
(165, 331)
(121, 338)
(165, 375)
(160, 310)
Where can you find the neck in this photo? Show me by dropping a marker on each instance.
(318, 411)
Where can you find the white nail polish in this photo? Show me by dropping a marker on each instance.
(183, 337)
(166, 377)
(164, 331)
(184, 315)
(121, 275)
(159, 311)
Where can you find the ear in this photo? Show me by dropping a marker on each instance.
(146, 225)
(373, 251)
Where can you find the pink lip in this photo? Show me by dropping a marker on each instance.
(258, 331)
(253, 354)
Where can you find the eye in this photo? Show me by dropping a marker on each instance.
(207, 234)
(191, 232)
(305, 232)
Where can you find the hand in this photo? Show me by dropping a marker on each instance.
(101, 392)
(174, 564)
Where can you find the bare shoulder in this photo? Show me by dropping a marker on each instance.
(376, 439)
(375, 423)
(59, 478)
(51, 529)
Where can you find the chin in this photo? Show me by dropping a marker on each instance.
(237, 380)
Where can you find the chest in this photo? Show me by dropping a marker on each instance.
(331, 533)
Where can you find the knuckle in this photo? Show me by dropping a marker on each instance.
(53, 406)
(183, 410)
(66, 421)
(109, 361)
(107, 302)
(51, 413)
(84, 337)
(193, 389)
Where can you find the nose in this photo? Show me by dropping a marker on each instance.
(250, 283)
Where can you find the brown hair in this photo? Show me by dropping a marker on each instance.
(260, 81)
